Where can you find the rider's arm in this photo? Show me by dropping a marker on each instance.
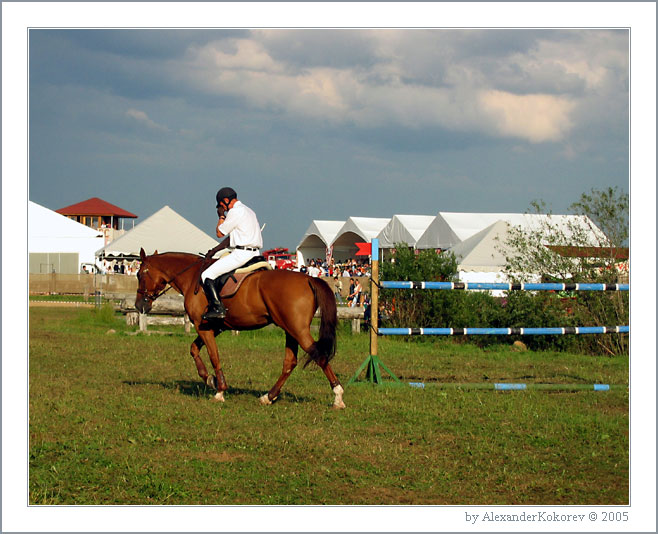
(219, 247)
(219, 233)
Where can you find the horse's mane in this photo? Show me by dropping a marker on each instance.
(172, 252)
(176, 257)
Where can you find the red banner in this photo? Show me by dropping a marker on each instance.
(364, 249)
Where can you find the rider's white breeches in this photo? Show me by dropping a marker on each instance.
(236, 258)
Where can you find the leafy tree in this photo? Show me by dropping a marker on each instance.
(587, 249)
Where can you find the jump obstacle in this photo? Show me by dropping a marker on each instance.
(373, 363)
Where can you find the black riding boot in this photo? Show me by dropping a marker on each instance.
(216, 309)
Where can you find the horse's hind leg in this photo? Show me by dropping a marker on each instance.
(333, 381)
(289, 363)
(323, 361)
(195, 351)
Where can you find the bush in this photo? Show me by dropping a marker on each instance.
(545, 252)
(435, 308)
(478, 309)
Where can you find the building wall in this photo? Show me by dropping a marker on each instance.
(80, 284)
(54, 262)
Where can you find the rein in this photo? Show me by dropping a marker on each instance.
(167, 286)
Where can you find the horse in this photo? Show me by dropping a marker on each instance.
(286, 298)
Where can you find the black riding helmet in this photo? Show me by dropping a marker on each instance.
(226, 192)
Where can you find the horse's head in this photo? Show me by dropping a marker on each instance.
(151, 283)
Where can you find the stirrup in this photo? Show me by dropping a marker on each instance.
(218, 312)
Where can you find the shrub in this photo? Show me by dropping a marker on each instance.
(551, 252)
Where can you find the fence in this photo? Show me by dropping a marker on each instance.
(373, 363)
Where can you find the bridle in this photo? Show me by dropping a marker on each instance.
(150, 297)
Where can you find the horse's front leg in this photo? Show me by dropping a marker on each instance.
(208, 338)
(195, 351)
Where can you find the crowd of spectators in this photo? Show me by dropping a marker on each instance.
(347, 269)
(112, 267)
(345, 274)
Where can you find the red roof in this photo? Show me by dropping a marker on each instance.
(95, 206)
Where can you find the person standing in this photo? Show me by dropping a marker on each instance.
(240, 224)
(338, 288)
(314, 270)
(356, 300)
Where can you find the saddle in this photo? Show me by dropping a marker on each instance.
(233, 279)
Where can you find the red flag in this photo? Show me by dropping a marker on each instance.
(364, 249)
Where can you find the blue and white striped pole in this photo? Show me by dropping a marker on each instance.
(503, 286)
(545, 331)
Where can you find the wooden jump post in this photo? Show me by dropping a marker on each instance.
(372, 363)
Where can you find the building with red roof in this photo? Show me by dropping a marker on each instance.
(97, 213)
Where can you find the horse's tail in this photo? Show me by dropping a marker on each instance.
(325, 347)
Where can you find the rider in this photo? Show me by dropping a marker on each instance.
(241, 225)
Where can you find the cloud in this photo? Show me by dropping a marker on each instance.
(143, 118)
(535, 86)
(537, 118)
(481, 94)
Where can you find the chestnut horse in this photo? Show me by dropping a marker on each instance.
(286, 298)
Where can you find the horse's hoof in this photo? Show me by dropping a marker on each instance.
(338, 400)
(219, 396)
(265, 400)
(211, 381)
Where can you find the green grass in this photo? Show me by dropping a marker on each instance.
(124, 419)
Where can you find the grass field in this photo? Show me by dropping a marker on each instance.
(123, 419)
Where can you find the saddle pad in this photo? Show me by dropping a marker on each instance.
(238, 276)
(250, 267)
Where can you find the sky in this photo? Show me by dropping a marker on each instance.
(324, 124)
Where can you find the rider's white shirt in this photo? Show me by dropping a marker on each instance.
(242, 226)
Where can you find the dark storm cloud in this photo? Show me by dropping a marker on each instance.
(319, 48)
(146, 43)
(145, 118)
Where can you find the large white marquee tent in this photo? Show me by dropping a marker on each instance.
(58, 244)
(164, 231)
(484, 251)
(474, 236)
(356, 230)
(317, 239)
(404, 229)
(438, 235)
(464, 225)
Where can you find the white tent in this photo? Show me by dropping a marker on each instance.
(356, 230)
(57, 243)
(164, 231)
(483, 256)
(484, 251)
(404, 229)
(438, 235)
(317, 239)
(464, 225)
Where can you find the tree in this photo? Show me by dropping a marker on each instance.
(609, 209)
(589, 248)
